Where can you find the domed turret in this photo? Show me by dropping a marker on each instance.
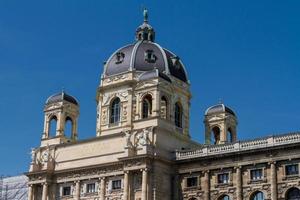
(62, 96)
(60, 109)
(220, 125)
(219, 108)
(145, 55)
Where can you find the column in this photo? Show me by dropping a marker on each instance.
(45, 191)
(77, 190)
(30, 192)
(130, 108)
(102, 188)
(273, 181)
(144, 184)
(52, 195)
(239, 184)
(126, 184)
(206, 186)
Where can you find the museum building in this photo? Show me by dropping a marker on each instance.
(142, 149)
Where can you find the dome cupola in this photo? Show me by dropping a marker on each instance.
(220, 125)
(145, 31)
(219, 108)
(62, 96)
(145, 55)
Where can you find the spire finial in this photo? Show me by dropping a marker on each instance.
(145, 13)
(221, 101)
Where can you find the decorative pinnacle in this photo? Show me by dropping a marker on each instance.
(145, 13)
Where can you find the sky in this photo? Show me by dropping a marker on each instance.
(246, 53)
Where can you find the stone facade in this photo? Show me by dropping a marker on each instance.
(142, 148)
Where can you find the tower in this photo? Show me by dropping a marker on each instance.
(143, 84)
(60, 109)
(220, 125)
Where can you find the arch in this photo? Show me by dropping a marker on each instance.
(229, 135)
(178, 114)
(52, 126)
(224, 197)
(215, 135)
(115, 108)
(68, 130)
(292, 194)
(147, 106)
(193, 198)
(258, 195)
(164, 107)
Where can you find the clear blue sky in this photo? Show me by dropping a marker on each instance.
(244, 52)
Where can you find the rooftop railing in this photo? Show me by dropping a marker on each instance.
(291, 138)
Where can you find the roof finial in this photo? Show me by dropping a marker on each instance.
(145, 13)
(220, 101)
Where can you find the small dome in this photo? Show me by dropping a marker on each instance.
(145, 55)
(219, 108)
(62, 96)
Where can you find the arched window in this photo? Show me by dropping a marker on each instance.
(68, 127)
(52, 126)
(224, 197)
(258, 196)
(164, 108)
(115, 111)
(293, 194)
(229, 135)
(147, 106)
(215, 135)
(178, 115)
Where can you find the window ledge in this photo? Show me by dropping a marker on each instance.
(264, 180)
(90, 194)
(192, 188)
(66, 197)
(290, 177)
(221, 185)
(114, 124)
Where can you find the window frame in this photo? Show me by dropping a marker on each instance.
(87, 188)
(115, 112)
(147, 100)
(116, 188)
(178, 115)
(190, 178)
(289, 165)
(262, 177)
(253, 196)
(223, 174)
(63, 190)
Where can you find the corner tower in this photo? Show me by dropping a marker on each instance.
(60, 109)
(220, 125)
(144, 86)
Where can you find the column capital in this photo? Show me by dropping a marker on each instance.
(145, 169)
(45, 183)
(102, 178)
(238, 167)
(126, 171)
(77, 181)
(273, 162)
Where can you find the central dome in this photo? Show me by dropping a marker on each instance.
(145, 55)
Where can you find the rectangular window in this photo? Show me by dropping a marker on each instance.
(116, 184)
(292, 169)
(66, 191)
(90, 188)
(223, 178)
(256, 174)
(192, 181)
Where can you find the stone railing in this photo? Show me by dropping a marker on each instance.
(271, 141)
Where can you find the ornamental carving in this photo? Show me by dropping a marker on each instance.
(116, 78)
